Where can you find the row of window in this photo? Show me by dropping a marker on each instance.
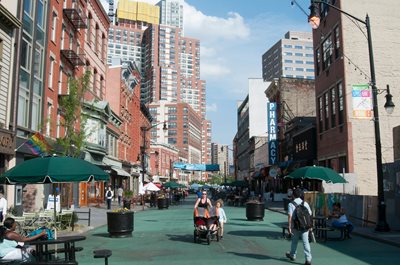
(330, 47)
(331, 108)
(299, 69)
(299, 54)
(298, 47)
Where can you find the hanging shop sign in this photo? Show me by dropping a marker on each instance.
(7, 142)
(272, 133)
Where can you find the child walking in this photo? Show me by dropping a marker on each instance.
(222, 216)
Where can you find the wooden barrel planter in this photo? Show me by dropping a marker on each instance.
(255, 211)
(120, 224)
(162, 203)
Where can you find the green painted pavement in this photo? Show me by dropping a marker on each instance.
(166, 237)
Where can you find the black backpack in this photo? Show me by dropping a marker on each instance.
(108, 194)
(302, 217)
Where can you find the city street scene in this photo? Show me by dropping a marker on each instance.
(199, 131)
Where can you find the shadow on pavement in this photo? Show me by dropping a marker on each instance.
(101, 235)
(181, 238)
(238, 219)
(247, 233)
(257, 256)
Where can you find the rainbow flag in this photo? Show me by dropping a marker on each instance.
(38, 144)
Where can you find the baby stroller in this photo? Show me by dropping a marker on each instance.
(206, 225)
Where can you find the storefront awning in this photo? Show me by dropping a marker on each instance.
(120, 172)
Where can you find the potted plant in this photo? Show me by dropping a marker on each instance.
(162, 201)
(120, 223)
(255, 210)
(127, 201)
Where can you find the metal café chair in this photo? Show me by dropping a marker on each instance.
(46, 218)
(65, 219)
(30, 222)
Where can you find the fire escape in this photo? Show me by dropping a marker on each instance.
(78, 21)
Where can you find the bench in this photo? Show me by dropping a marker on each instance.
(284, 228)
(51, 262)
(62, 250)
(102, 253)
(322, 232)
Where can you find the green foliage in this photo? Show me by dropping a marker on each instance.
(71, 110)
(128, 194)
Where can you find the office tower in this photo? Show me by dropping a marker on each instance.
(290, 57)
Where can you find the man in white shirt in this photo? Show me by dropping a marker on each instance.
(109, 195)
(120, 192)
(3, 207)
(295, 233)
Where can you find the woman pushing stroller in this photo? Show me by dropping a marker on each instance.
(203, 203)
(205, 219)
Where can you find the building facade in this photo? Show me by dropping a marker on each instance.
(342, 62)
(294, 98)
(10, 26)
(220, 156)
(291, 56)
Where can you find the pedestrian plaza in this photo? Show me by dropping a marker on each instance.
(166, 237)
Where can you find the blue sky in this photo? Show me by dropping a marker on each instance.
(234, 34)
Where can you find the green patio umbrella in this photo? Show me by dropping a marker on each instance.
(53, 169)
(315, 172)
(171, 184)
(238, 183)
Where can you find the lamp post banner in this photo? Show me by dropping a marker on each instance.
(272, 133)
(362, 102)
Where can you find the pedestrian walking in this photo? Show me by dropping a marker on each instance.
(109, 196)
(3, 207)
(297, 232)
(120, 192)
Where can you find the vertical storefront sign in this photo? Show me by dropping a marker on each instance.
(272, 133)
(362, 102)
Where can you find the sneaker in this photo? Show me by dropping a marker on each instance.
(307, 263)
(291, 257)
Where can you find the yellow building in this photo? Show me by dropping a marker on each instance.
(138, 11)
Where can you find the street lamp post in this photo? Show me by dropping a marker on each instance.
(143, 149)
(314, 20)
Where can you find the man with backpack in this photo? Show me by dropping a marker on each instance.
(109, 196)
(299, 225)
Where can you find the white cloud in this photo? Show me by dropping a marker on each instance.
(212, 108)
(212, 28)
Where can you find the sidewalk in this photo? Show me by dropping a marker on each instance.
(391, 238)
(98, 217)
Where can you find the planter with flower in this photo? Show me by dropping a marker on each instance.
(120, 223)
(162, 201)
(255, 210)
(127, 199)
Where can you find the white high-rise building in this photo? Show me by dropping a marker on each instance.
(171, 13)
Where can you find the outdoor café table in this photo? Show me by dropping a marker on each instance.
(320, 227)
(43, 253)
